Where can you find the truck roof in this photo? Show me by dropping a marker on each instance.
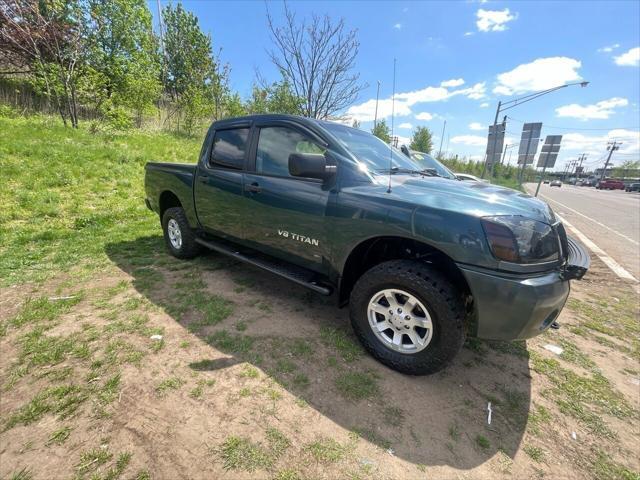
(267, 116)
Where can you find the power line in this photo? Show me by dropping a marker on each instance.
(582, 129)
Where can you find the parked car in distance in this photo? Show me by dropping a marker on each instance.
(428, 162)
(467, 177)
(421, 260)
(556, 183)
(632, 187)
(610, 184)
(546, 182)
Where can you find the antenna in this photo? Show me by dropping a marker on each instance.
(393, 104)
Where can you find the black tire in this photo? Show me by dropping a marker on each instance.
(188, 248)
(441, 298)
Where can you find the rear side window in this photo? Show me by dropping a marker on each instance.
(229, 147)
(275, 144)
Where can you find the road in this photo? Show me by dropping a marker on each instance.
(609, 218)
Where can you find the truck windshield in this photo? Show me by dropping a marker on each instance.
(372, 151)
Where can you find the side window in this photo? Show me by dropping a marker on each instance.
(229, 147)
(275, 144)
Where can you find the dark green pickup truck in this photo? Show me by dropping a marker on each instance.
(422, 260)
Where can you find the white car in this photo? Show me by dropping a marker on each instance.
(466, 177)
(556, 183)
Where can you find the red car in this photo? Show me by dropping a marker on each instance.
(610, 184)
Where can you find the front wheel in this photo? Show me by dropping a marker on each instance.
(408, 316)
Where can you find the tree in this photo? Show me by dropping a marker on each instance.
(318, 60)
(381, 130)
(421, 140)
(275, 98)
(193, 76)
(44, 37)
(122, 51)
(627, 168)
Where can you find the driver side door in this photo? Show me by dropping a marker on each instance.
(286, 215)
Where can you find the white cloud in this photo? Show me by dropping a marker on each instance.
(468, 34)
(405, 125)
(493, 20)
(471, 140)
(484, 104)
(600, 110)
(426, 116)
(609, 48)
(398, 26)
(454, 82)
(476, 126)
(595, 145)
(540, 74)
(365, 112)
(628, 59)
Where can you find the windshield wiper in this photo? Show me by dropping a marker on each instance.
(431, 172)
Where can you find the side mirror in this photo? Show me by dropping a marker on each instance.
(310, 165)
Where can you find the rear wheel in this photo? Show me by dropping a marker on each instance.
(178, 235)
(408, 316)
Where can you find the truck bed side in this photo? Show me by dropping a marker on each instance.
(167, 182)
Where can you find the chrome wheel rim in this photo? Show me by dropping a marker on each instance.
(400, 321)
(175, 235)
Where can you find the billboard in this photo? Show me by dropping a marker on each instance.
(549, 152)
(495, 144)
(529, 142)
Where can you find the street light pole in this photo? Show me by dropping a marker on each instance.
(502, 106)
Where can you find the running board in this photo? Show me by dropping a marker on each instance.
(296, 274)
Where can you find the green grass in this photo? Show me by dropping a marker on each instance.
(327, 450)
(83, 191)
(536, 453)
(59, 436)
(584, 397)
(482, 442)
(357, 385)
(230, 343)
(173, 383)
(62, 401)
(239, 453)
(340, 340)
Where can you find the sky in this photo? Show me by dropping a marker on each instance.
(456, 60)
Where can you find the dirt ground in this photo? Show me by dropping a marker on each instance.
(255, 377)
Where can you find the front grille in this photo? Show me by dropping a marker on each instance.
(562, 234)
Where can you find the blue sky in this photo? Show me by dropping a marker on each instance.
(455, 60)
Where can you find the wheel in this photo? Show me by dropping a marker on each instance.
(408, 316)
(178, 236)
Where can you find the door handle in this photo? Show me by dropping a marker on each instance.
(203, 178)
(253, 188)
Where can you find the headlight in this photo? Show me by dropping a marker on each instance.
(521, 240)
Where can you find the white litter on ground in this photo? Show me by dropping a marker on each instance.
(574, 436)
(554, 348)
(489, 414)
(68, 297)
(156, 337)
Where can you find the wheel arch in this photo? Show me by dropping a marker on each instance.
(167, 200)
(376, 250)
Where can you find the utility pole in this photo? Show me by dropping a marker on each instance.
(375, 117)
(611, 146)
(441, 139)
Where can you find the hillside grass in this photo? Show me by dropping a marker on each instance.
(66, 193)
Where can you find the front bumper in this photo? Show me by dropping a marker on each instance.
(515, 307)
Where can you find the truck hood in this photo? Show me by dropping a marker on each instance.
(473, 198)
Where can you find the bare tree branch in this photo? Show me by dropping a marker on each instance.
(318, 60)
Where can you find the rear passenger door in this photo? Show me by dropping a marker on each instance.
(286, 215)
(218, 189)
